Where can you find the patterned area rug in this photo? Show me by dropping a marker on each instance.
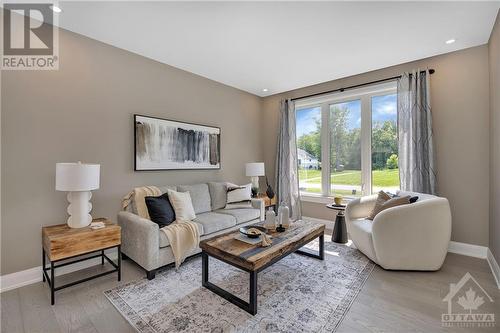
(296, 294)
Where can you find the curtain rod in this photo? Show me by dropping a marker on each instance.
(431, 71)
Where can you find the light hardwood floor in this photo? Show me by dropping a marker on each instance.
(390, 301)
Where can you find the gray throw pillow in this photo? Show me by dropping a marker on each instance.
(392, 202)
(200, 196)
(218, 194)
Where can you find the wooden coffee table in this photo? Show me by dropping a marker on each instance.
(254, 258)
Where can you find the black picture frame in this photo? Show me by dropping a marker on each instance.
(136, 164)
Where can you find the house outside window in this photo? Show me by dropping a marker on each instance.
(347, 142)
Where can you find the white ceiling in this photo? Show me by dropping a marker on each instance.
(281, 45)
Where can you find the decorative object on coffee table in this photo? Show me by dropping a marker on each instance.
(269, 203)
(59, 242)
(78, 179)
(283, 220)
(254, 258)
(254, 170)
(251, 233)
(339, 234)
(270, 222)
(269, 190)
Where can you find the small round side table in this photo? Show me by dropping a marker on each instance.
(339, 234)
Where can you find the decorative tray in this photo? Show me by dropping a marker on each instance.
(244, 231)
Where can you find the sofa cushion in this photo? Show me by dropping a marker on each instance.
(393, 202)
(160, 210)
(200, 197)
(165, 188)
(242, 214)
(164, 239)
(213, 222)
(360, 231)
(218, 194)
(183, 206)
(421, 196)
(237, 193)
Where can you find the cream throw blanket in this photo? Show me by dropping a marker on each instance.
(138, 194)
(184, 237)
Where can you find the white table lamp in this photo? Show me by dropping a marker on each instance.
(78, 179)
(254, 170)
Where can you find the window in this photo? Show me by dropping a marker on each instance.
(347, 142)
(385, 172)
(345, 148)
(309, 149)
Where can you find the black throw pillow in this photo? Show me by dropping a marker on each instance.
(160, 210)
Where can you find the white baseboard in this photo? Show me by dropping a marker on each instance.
(34, 275)
(469, 250)
(495, 269)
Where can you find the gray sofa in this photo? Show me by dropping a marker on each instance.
(143, 242)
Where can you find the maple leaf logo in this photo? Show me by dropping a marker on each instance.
(470, 301)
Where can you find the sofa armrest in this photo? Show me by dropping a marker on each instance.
(140, 239)
(259, 204)
(360, 207)
(415, 235)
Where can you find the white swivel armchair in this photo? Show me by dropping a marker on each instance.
(408, 237)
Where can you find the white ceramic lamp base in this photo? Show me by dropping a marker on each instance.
(255, 185)
(255, 182)
(79, 209)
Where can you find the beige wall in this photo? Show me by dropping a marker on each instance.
(460, 102)
(494, 60)
(84, 112)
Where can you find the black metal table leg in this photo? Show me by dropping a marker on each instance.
(52, 282)
(252, 307)
(322, 247)
(119, 263)
(55, 264)
(204, 269)
(43, 264)
(321, 251)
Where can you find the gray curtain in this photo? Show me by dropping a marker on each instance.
(416, 149)
(287, 179)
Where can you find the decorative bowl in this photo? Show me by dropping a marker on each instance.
(244, 231)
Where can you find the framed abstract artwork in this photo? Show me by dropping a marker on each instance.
(162, 144)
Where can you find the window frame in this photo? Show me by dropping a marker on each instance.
(365, 95)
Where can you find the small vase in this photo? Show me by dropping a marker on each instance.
(269, 191)
(269, 224)
(283, 220)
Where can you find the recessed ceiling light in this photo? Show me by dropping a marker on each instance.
(55, 9)
(450, 41)
(265, 90)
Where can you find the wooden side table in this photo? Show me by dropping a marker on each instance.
(267, 201)
(339, 234)
(60, 242)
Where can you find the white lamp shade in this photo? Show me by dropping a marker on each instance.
(255, 169)
(77, 176)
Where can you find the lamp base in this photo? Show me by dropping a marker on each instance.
(255, 186)
(79, 208)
